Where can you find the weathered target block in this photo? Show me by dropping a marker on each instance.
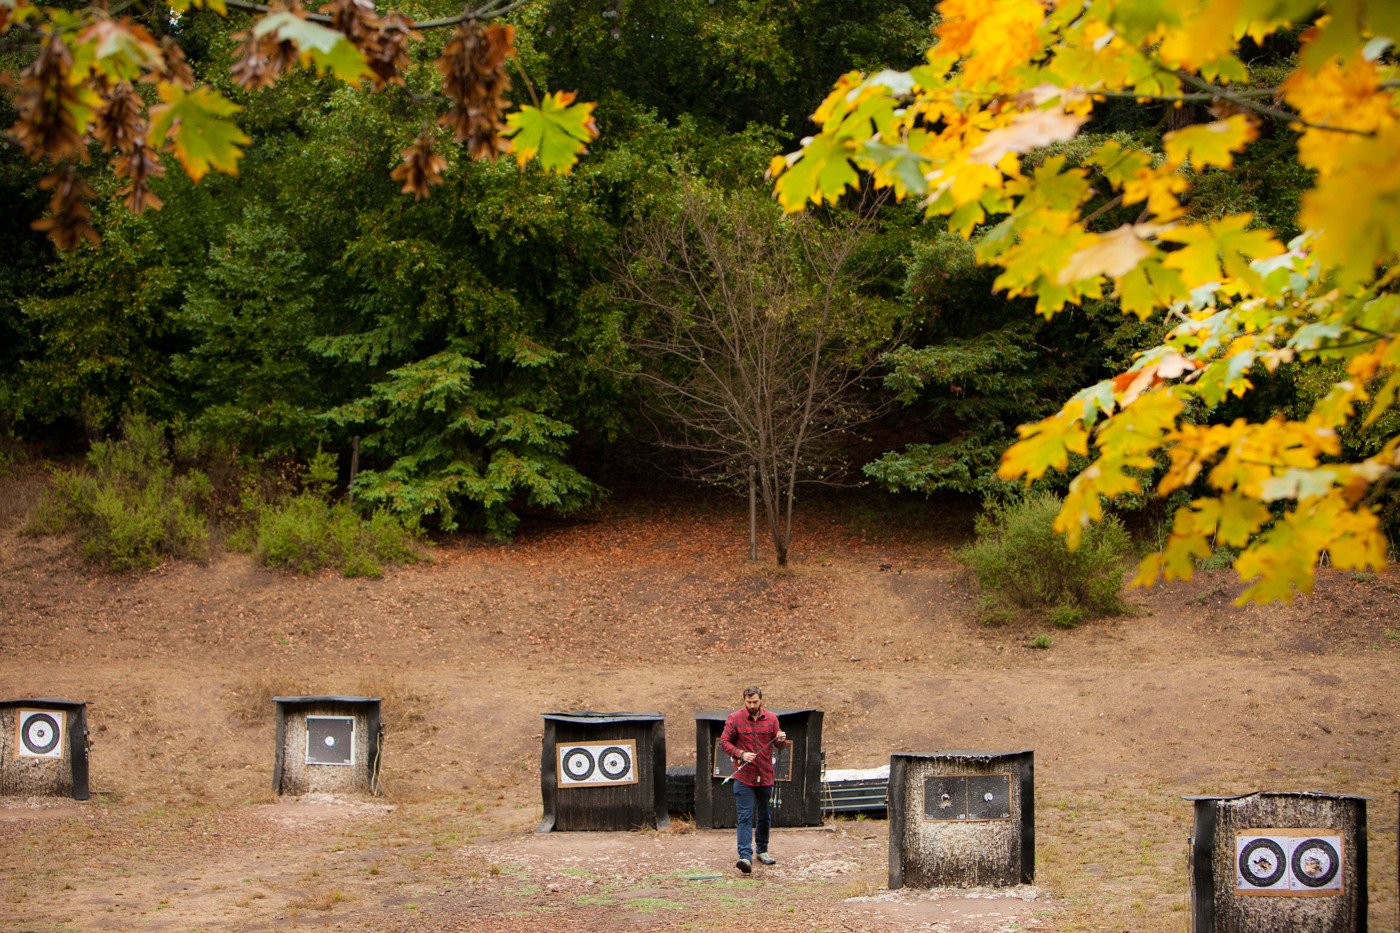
(603, 771)
(962, 819)
(1279, 862)
(46, 748)
(327, 745)
(797, 771)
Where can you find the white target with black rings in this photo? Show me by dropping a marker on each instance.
(1317, 864)
(1288, 862)
(1262, 865)
(330, 740)
(39, 733)
(597, 764)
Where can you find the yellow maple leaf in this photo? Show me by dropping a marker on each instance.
(1211, 144)
(994, 38)
(1027, 131)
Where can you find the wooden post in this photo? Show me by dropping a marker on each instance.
(354, 464)
(753, 512)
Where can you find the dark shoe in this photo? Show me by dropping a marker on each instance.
(743, 865)
(766, 859)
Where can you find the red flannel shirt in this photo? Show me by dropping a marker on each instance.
(758, 735)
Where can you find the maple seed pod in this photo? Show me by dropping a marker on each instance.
(421, 168)
(70, 222)
(474, 78)
(390, 57)
(46, 103)
(120, 123)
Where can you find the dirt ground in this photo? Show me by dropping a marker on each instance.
(656, 607)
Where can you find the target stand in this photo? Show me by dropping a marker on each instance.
(962, 819)
(797, 771)
(603, 771)
(46, 748)
(1275, 861)
(327, 744)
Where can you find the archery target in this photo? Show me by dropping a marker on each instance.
(39, 733)
(597, 764)
(1317, 863)
(1288, 862)
(330, 740)
(1261, 864)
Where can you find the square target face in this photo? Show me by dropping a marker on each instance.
(1288, 862)
(782, 763)
(596, 764)
(39, 733)
(967, 797)
(989, 797)
(945, 797)
(330, 740)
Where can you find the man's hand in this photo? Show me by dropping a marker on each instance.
(781, 736)
(748, 757)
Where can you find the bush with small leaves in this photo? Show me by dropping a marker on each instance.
(306, 533)
(1024, 567)
(129, 509)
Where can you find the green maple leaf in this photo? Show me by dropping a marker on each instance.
(329, 51)
(1209, 143)
(822, 174)
(558, 131)
(194, 123)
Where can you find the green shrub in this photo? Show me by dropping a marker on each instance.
(306, 533)
(1024, 566)
(129, 509)
(1040, 642)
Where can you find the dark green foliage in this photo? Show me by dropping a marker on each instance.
(1025, 569)
(249, 314)
(131, 507)
(731, 63)
(306, 533)
(981, 365)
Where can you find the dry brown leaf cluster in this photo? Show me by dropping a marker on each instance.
(421, 167)
(473, 67)
(265, 58)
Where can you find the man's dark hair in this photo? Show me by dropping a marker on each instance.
(752, 692)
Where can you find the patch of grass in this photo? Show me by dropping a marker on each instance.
(1023, 564)
(1363, 576)
(857, 887)
(306, 533)
(322, 900)
(1040, 642)
(680, 826)
(1221, 558)
(130, 508)
(651, 904)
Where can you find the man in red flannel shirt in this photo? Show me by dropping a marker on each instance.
(751, 737)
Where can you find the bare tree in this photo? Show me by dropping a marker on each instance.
(754, 340)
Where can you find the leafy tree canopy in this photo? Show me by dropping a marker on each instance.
(964, 133)
(101, 76)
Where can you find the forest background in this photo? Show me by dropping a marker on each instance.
(475, 352)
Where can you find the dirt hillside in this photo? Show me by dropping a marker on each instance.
(655, 607)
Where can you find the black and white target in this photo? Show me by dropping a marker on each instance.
(40, 733)
(1288, 862)
(330, 740)
(1261, 864)
(1317, 863)
(597, 764)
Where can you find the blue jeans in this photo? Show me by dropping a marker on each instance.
(751, 802)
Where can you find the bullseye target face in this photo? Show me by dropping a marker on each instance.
(330, 740)
(1317, 863)
(1288, 862)
(597, 764)
(39, 733)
